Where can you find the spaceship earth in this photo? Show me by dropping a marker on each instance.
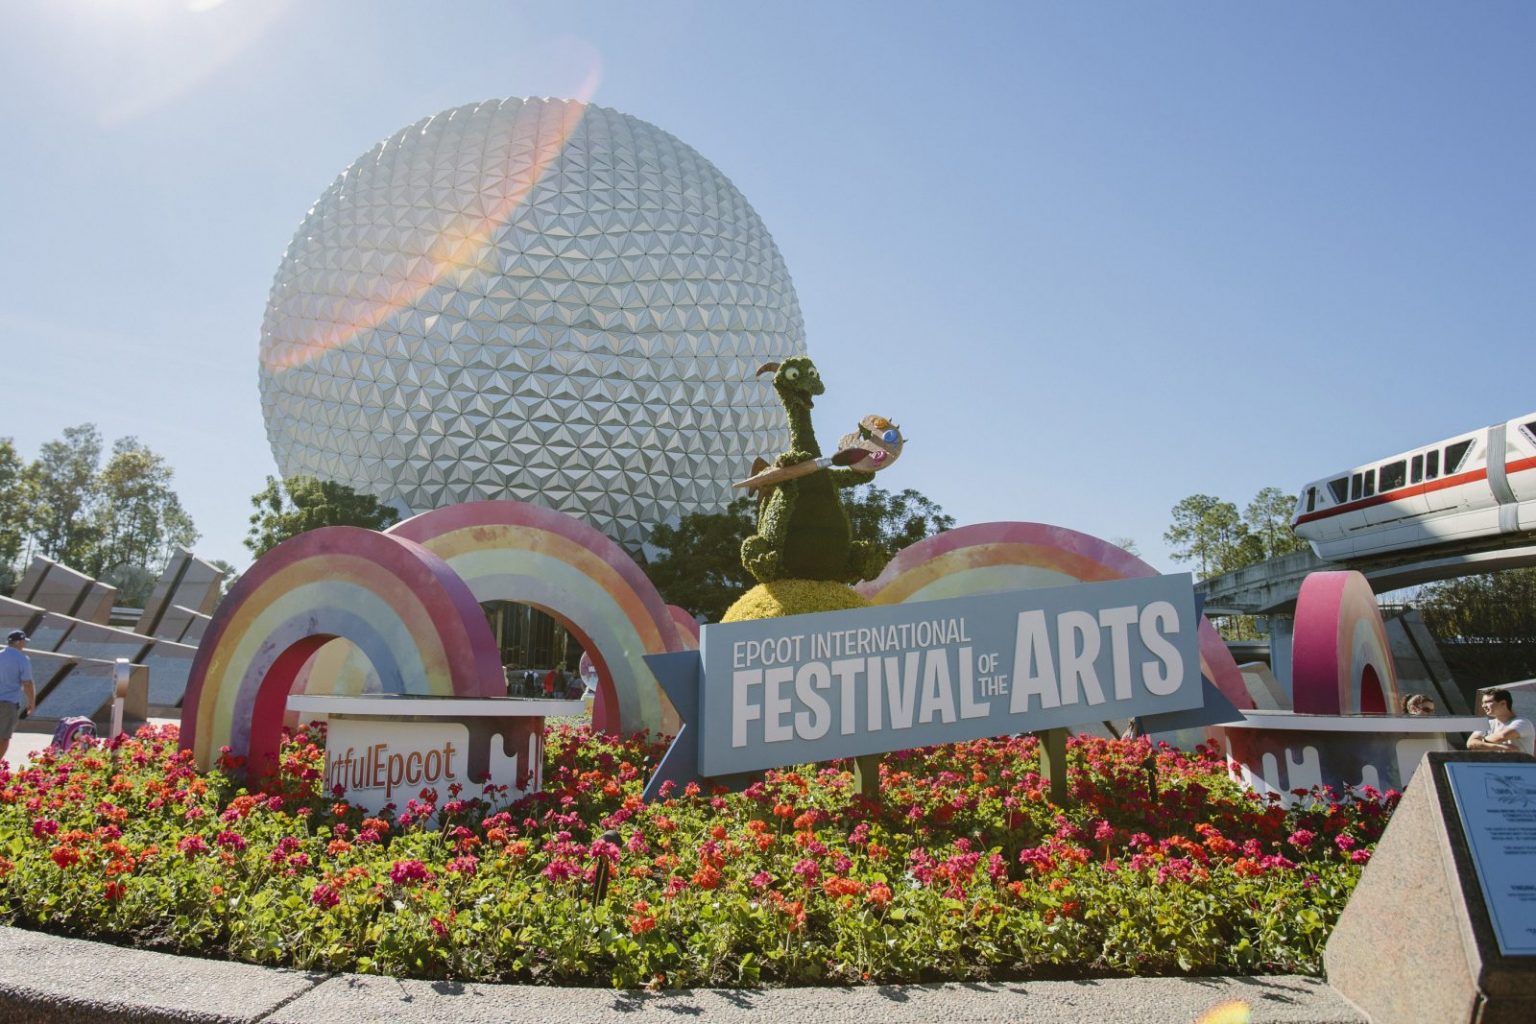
(534, 299)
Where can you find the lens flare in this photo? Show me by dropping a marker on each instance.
(1234, 1011)
(462, 250)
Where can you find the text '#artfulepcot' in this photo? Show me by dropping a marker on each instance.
(839, 684)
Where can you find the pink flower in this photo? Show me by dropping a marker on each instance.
(1301, 839)
(230, 841)
(191, 846)
(466, 865)
(324, 897)
(403, 871)
(1345, 842)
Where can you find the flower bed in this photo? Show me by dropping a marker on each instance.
(965, 871)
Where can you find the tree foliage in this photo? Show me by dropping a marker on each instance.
(701, 569)
(1212, 533)
(139, 521)
(1495, 606)
(1268, 518)
(15, 511)
(1485, 624)
(118, 522)
(894, 521)
(299, 504)
(66, 494)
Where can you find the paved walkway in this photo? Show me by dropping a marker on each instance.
(49, 980)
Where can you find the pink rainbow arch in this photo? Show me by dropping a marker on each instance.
(514, 551)
(1341, 663)
(399, 603)
(992, 557)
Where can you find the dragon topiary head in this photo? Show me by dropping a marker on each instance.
(796, 380)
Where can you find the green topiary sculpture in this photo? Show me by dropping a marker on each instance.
(802, 527)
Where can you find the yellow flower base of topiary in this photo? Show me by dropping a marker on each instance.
(793, 597)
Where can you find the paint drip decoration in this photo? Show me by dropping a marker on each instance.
(990, 558)
(1340, 661)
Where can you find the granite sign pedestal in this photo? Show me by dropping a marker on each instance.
(1442, 926)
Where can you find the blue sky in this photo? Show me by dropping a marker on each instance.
(1094, 257)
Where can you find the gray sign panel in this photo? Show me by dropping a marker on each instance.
(838, 684)
(1498, 812)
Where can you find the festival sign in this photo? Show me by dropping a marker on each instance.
(805, 688)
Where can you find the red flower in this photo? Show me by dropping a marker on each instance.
(641, 920)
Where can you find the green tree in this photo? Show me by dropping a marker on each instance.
(893, 521)
(15, 513)
(301, 503)
(139, 518)
(700, 568)
(66, 495)
(1208, 532)
(1268, 517)
(1486, 624)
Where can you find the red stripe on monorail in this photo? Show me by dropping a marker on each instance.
(1518, 466)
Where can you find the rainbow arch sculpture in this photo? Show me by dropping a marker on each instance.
(1341, 662)
(407, 601)
(991, 557)
(417, 622)
(514, 551)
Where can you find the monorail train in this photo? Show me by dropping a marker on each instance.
(1479, 484)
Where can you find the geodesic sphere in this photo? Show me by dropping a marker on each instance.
(531, 299)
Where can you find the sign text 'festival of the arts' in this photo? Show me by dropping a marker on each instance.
(811, 688)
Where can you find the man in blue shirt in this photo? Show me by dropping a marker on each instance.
(15, 681)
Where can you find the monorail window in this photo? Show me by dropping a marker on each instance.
(1393, 475)
(1311, 498)
(1417, 472)
(1370, 482)
(1432, 464)
(1354, 487)
(1530, 428)
(1340, 489)
(1454, 453)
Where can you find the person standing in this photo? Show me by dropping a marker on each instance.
(1506, 733)
(15, 683)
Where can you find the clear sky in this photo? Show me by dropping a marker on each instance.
(1094, 257)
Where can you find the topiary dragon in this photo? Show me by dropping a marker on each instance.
(802, 528)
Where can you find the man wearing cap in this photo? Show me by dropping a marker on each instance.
(15, 680)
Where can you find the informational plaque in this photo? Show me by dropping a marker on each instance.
(1498, 811)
